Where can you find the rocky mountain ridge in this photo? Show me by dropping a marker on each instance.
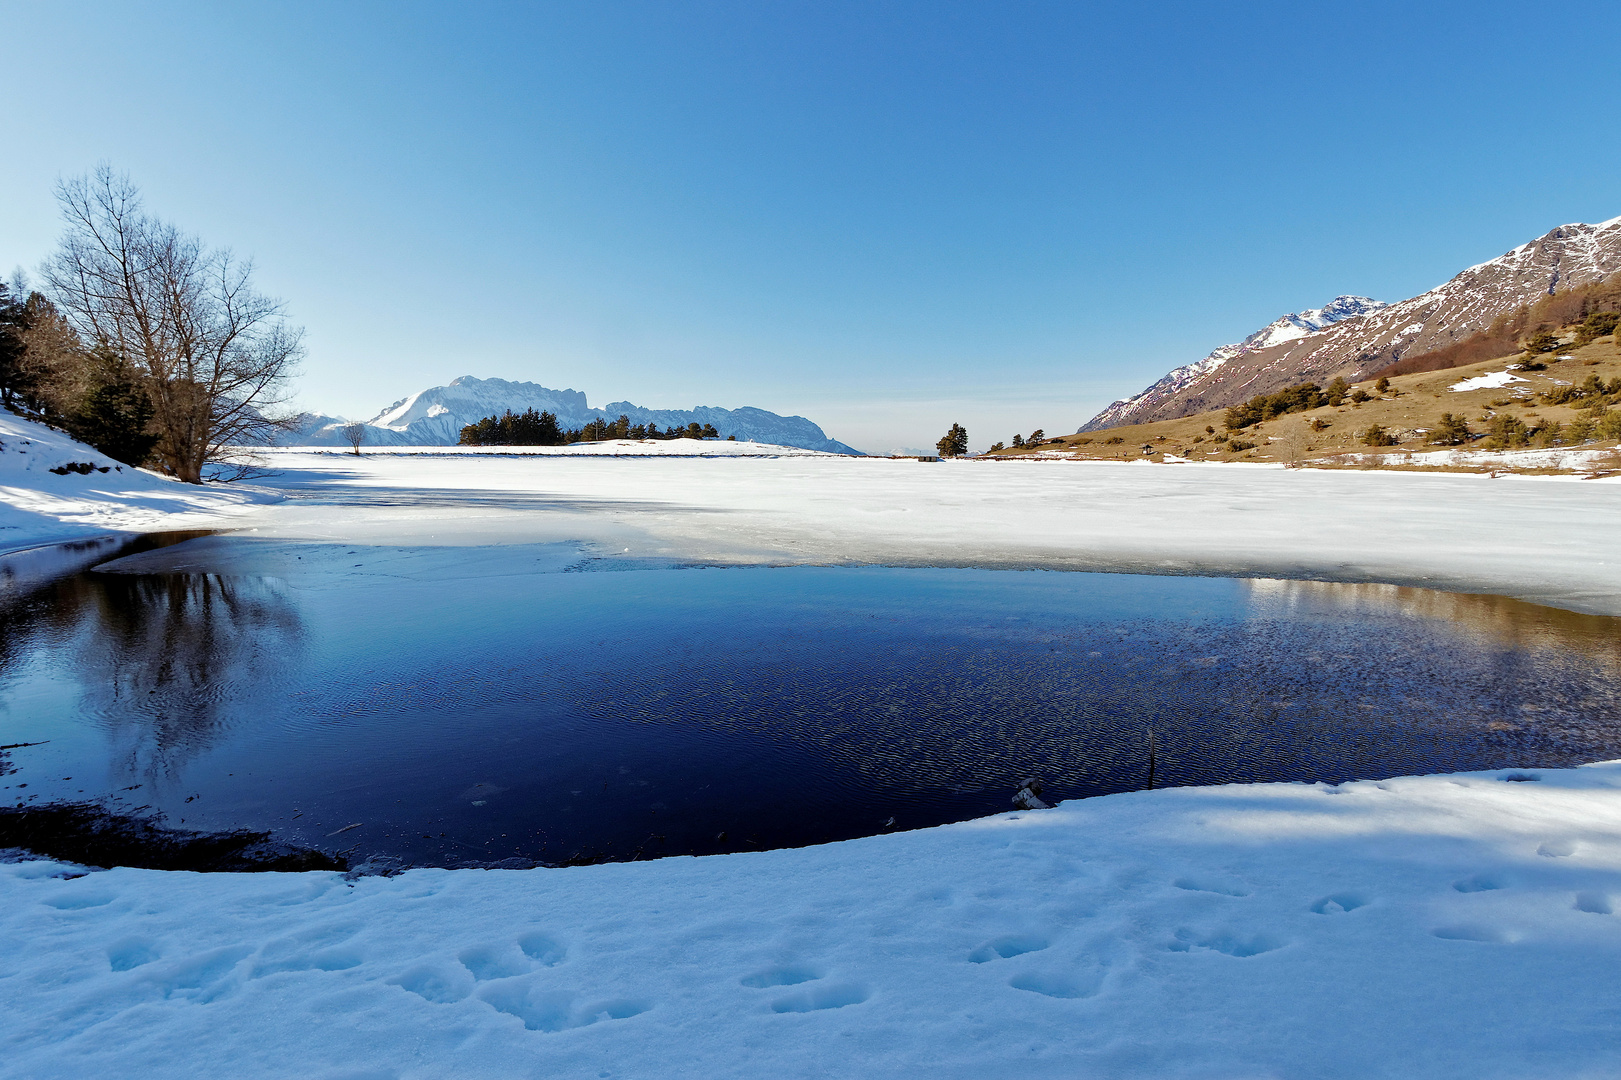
(436, 416)
(1367, 335)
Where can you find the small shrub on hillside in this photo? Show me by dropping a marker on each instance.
(1382, 385)
(1319, 424)
(1597, 325)
(1083, 442)
(1610, 426)
(1508, 432)
(1208, 430)
(995, 446)
(1360, 395)
(1450, 431)
(1197, 439)
(1114, 440)
(1239, 445)
(1336, 392)
(1542, 342)
(1377, 436)
(1551, 435)
(1579, 430)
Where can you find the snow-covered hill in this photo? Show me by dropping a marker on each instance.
(436, 416)
(1308, 346)
(54, 488)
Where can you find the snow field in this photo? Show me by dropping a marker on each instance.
(1437, 926)
(1547, 542)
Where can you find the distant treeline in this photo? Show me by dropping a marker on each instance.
(531, 428)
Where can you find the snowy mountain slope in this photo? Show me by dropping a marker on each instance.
(1291, 327)
(1353, 347)
(435, 417)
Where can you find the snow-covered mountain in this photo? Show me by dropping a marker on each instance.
(1364, 336)
(436, 416)
(1287, 328)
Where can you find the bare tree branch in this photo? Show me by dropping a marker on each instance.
(214, 354)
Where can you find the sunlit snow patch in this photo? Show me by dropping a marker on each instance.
(1486, 382)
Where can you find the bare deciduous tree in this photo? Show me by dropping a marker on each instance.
(215, 355)
(354, 434)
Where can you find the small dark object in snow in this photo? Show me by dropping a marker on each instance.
(1028, 797)
(83, 468)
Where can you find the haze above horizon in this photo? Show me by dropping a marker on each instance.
(885, 218)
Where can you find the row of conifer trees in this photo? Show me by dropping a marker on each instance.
(531, 428)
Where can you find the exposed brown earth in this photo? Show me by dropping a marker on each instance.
(1409, 411)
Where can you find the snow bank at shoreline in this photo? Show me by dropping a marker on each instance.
(1439, 926)
(38, 506)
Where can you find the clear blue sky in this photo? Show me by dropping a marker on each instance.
(884, 216)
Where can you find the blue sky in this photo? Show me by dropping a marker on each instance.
(884, 216)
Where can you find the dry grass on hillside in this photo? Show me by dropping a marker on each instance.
(1410, 410)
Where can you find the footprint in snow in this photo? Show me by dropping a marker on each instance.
(1066, 985)
(1595, 903)
(1221, 886)
(781, 976)
(1007, 947)
(1339, 903)
(818, 998)
(1230, 943)
(1557, 849)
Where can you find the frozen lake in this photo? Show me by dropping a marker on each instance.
(456, 706)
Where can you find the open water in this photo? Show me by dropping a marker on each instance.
(583, 716)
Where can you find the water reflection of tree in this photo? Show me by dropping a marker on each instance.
(167, 664)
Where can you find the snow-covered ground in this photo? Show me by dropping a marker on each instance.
(1444, 926)
(1439, 926)
(1546, 541)
(39, 506)
(1489, 381)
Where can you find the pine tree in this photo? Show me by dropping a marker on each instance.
(954, 443)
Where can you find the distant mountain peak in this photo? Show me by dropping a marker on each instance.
(1351, 336)
(435, 417)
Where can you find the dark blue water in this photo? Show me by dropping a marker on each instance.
(631, 714)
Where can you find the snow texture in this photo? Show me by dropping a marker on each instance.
(436, 416)
(1442, 926)
(39, 506)
(1488, 381)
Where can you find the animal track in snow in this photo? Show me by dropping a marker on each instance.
(131, 953)
(488, 962)
(781, 976)
(1595, 903)
(1007, 947)
(1478, 883)
(1232, 944)
(817, 998)
(555, 1010)
(1059, 984)
(1339, 903)
(1557, 849)
(319, 948)
(542, 949)
(441, 984)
